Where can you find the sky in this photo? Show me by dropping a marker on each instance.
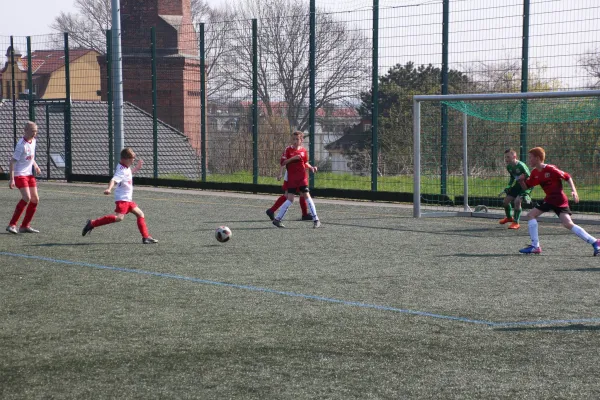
(38, 15)
(482, 31)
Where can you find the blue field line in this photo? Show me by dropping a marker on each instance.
(305, 296)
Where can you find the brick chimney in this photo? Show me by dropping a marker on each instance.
(178, 65)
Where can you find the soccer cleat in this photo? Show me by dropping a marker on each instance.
(506, 220)
(317, 223)
(12, 229)
(149, 240)
(307, 217)
(87, 228)
(278, 223)
(596, 246)
(271, 214)
(28, 229)
(531, 250)
(514, 225)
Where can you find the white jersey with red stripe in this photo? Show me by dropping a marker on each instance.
(124, 179)
(24, 155)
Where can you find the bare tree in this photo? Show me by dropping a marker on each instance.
(590, 62)
(86, 28)
(342, 58)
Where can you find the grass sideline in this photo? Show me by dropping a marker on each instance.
(73, 330)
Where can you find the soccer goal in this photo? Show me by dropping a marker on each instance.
(460, 140)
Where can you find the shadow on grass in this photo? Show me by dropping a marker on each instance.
(580, 269)
(485, 255)
(75, 244)
(571, 327)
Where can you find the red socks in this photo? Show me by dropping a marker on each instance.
(141, 223)
(303, 206)
(18, 211)
(29, 214)
(107, 219)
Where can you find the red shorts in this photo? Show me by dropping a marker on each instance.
(124, 207)
(25, 181)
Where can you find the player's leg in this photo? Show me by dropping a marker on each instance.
(567, 222)
(532, 226)
(25, 198)
(290, 194)
(304, 208)
(517, 213)
(311, 206)
(34, 199)
(507, 204)
(118, 216)
(278, 203)
(141, 223)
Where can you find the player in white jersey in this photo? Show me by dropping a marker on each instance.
(123, 178)
(21, 175)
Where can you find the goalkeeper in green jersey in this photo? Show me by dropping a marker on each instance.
(514, 193)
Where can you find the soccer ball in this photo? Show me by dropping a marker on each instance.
(223, 234)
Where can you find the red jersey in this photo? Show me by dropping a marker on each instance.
(296, 169)
(550, 179)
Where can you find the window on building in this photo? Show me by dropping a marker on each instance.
(20, 87)
(8, 95)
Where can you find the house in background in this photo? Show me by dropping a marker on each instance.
(350, 153)
(48, 72)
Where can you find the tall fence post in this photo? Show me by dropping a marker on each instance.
(14, 99)
(30, 81)
(375, 99)
(312, 49)
(444, 108)
(154, 101)
(255, 101)
(202, 104)
(68, 154)
(109, 99)
(524, 80)
(47, 141)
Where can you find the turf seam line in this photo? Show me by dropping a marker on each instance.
(304, 296)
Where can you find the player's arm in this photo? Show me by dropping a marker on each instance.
(312, 169)
(138, 166)
(111, 184)
(281, 169)
(289, 160)
(526, 182)
(11, 173)
(37, 168)
(573, 190)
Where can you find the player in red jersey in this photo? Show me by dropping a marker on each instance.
(21, 176)
(123, 179)
(281, 199)
(550, 179)
(296, 163)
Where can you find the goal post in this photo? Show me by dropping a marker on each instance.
(565, 123)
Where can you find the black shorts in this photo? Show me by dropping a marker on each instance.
(545, 207)
(298, 189)
(515, 191)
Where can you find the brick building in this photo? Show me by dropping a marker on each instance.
(178, 64)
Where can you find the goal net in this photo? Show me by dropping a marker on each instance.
(460, 140)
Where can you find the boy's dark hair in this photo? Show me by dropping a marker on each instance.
(511, 150)
(127, 152)
(298, 133)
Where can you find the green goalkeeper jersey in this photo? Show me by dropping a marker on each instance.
(515, 171)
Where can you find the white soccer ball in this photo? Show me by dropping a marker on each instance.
(223, 234)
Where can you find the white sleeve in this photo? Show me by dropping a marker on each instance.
(119, 174)
(18, 151)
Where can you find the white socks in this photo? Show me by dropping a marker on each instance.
(579, 231)
(311, 207)
(283, 209)
(532, 225)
